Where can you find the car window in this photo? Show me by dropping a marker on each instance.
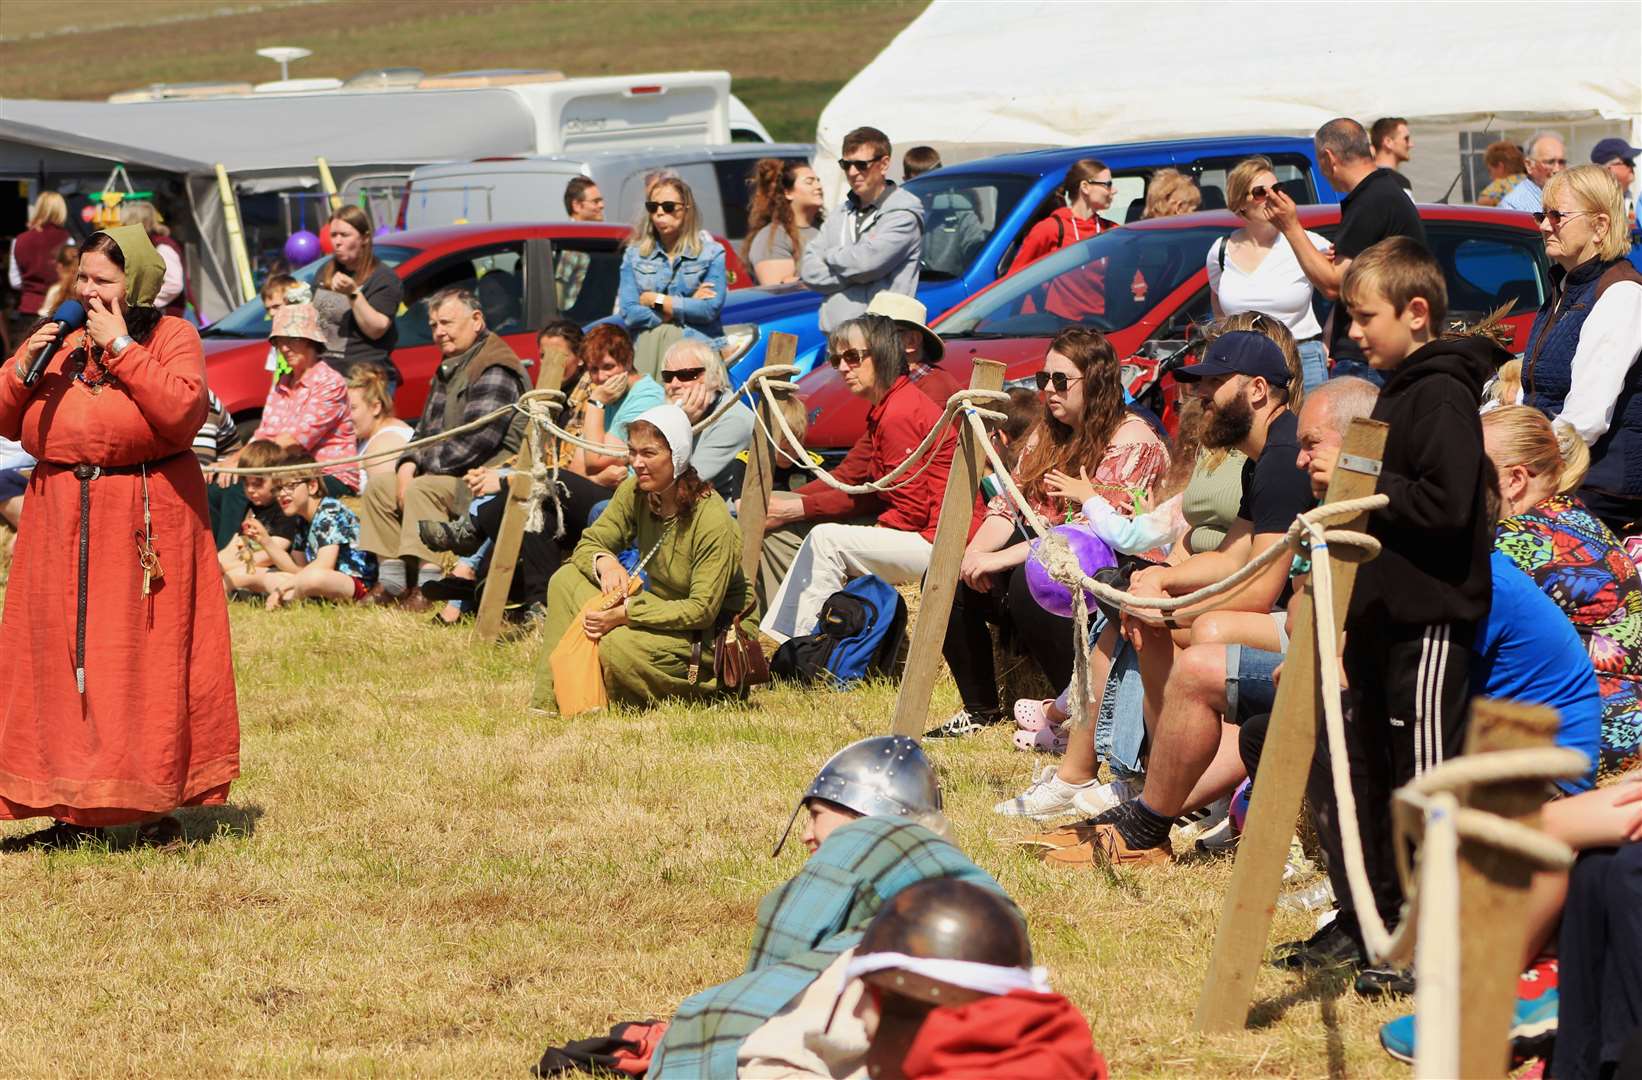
(1488, 269)
(735, 189)
(495, 273)
(586, 275)
(251, 321)
(960, 213)
(1107, 282)
(1293, 178)
(1128, 197)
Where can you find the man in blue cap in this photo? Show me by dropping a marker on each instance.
(1619, 158)
(1243, 384)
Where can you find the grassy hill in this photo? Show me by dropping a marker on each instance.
(787, 59)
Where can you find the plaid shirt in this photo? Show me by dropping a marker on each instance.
(498, 386)
(802, 927)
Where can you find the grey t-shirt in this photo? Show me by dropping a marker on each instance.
(773, 242)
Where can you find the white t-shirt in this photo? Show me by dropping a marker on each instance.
(1278, 287)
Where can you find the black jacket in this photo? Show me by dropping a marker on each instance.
(1435, 533)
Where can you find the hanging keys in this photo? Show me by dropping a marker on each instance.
(149, 560)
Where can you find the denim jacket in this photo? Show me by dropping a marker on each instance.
(659, 274)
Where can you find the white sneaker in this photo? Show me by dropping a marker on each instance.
(1199, 822)
(1095, 800)
(1049, 796)
(1220, 838)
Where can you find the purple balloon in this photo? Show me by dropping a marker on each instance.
(302, 248)
(1092, 554)
(383, 230)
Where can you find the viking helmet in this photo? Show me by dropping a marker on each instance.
(884, 776)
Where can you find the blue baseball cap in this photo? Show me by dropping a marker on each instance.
(1241, 352)
(1614, 150)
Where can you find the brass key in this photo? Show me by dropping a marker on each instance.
(149, 560)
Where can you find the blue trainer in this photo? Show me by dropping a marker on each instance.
(1533, 1025)
(1398, 1038)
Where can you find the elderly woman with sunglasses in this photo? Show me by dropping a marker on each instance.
(1580, 367)
(867, 351)
(672, 274)
(694, 378)
(1255, 269)
(1086, 443)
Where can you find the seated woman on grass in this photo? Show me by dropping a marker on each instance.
(691, 553)
(332, 567)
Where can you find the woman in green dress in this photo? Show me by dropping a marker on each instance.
(691, 549)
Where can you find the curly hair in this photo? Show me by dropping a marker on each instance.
(1056, 446)
(606, 338)
(772, 181)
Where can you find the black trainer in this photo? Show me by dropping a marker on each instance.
(458, 537)
(1384, 982)
(1329, 947)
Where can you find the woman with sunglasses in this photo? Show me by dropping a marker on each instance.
(1086, 443)
(867, 352)
(1086, 191)
(694, 378)
(672, 275)
(1255, 269)
(1580, 366)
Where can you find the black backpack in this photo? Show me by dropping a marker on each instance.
(858, 634)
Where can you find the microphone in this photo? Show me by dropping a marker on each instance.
(72, 315)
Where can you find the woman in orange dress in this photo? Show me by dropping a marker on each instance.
(118, 701)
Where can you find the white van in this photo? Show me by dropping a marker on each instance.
(531, 189)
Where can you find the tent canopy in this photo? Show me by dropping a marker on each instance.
(968, 76)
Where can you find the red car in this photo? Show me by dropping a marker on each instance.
(1150, 281)
(523, 258)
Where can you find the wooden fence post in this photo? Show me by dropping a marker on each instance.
(1285, 764)
(760, 475)
(1494, 888)
(504, 559)
(941, 581)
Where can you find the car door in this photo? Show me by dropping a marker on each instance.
(501, 297)
(586, 273)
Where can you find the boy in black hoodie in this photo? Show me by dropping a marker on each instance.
(1415, 609)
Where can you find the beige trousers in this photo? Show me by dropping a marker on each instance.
(389, 534)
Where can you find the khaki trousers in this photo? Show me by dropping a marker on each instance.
(389, 534)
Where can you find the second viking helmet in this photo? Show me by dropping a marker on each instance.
(884, 776)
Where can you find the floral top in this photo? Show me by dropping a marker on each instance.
(313, 410)
(1134, 461)
(1498, 189)
(1578, 563)
(334, 523)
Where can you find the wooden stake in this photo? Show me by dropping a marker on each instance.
(1285, 764)
(757, 481)
(941, 582)
(1494, 888)
(504, 559)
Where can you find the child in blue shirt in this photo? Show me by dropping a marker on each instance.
(336, 568)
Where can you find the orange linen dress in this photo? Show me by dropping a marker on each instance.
(158, 725)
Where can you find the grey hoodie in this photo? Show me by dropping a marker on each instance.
(863, 251)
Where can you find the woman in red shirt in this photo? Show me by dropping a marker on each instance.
(867, 351)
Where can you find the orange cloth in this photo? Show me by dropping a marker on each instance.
(158, 726)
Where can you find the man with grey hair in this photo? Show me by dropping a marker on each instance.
(1375, 207)
(1546, 156)
(1327, 412)
(479, 374)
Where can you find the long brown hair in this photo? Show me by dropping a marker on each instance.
(1053, 445)
(772, 181)
(690, 486)
(361, 222)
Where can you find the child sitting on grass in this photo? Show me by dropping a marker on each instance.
(333, 568)
(266, 528)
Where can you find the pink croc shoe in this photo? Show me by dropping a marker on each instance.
(1048, 738)
(1032, 714)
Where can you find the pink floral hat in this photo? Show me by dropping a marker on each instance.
(298, 321)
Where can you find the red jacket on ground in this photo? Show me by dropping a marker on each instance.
(1021, 1035)
(895, 427)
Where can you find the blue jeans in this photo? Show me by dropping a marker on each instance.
(1313, 363)
(1250, 689)
(1358, 369)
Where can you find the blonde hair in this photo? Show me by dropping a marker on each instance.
(689, 233)
(715, 375)
(1168, 188)
(1399, 268)
(372, 383)
(1597, 192)
(1523, 436)
(1508, 384)
(49, 209)
(1261, 323)
(144, 214)
(1241, 179)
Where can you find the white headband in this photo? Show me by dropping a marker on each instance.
(982, 978)
(674, 425)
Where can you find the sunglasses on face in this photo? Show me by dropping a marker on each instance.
(689, 374)
(666, 207)
(1259, 191)
(851, 358)
(1555, 217)
(852, 165)
(1058, 378)
(1107, 184)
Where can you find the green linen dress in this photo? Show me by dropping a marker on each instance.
(694, 577)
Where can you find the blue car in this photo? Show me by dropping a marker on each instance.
(1011, 193)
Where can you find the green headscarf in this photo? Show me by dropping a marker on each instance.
(144, 269)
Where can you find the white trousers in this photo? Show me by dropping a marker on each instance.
(830, 556)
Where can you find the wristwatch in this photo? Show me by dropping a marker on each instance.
(119, 344)
(659, 303)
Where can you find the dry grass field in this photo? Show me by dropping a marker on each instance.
(788, 59)
(417, 877)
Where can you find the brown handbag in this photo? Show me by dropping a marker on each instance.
(738, 660)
